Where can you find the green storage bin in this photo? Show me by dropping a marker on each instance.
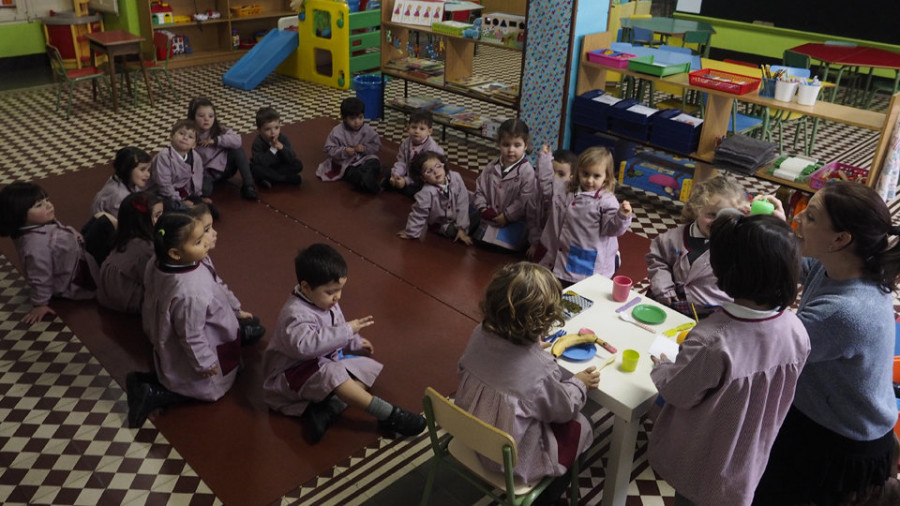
(646, 65)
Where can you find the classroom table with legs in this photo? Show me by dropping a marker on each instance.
(117, 43)
(628, 395)
(852, 56)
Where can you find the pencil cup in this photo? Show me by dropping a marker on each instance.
(785, 90)
(768, 88)
(630, 360)
(621, 288)
(807, 94)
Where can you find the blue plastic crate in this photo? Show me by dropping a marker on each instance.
(589, 112)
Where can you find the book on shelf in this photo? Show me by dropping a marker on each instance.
(467, 120)
(416, 64)
(411, 103)
(465, 83)
(447, 110)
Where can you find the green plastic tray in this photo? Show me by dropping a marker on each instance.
(645, 65)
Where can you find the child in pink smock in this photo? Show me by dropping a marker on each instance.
(220, 149)
(442, 204)
(176, 172)
(352, 148)
(734, 378)
(54, 257)
(419, 141)
(188, 318)
(508, 380)
(131, 174)
(120, 286)
(678, 261)
(316, 363)
(504, 191)
(580, 238)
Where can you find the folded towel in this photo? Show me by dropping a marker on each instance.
(743, 154)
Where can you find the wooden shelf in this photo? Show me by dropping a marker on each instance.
(440, 120)
(764, 174)
(428, 30)
(449, 89)
(191, 24)
(264, 15)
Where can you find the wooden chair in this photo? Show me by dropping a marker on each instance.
(162, 45)
(69, 78)
(467, 438)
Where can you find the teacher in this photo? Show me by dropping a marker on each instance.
(836, 444)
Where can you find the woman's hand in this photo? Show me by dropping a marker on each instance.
(590, 377)
(36, 314)
(361, 323)
(779, 207)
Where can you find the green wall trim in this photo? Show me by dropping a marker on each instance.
(20, 39)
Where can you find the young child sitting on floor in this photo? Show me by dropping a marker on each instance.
(220, 148)
(418, 141)
(272, 159)
(176, 172)
(131, 173)
(443, 202)
(306, 370)
(352, 149)
(678, 262)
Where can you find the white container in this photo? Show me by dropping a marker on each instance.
(785, 90)
(807, 94)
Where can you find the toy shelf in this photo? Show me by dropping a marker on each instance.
(428, 30)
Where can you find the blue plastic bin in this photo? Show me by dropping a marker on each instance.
(369, 89)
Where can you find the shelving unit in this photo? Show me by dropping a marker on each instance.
(211, 40)
(592, 76)
(459, 57)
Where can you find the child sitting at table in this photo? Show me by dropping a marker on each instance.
(678, 262)
(418, 141)
(352, 149)
(733, 380)
(308, 367)
(509, 381)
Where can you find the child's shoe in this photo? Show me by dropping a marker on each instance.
(322, 415)
(404, 422)
(249, 192)
(251, 331)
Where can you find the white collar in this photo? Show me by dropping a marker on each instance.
(747, 313)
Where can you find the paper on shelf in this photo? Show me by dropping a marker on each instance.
(662, 345)
(687, 118)
(607, 99)
(642, 109)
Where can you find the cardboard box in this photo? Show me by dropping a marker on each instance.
(659, 173)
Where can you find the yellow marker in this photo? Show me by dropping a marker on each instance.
(695, 313)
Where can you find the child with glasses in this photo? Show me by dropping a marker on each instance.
(443, 202)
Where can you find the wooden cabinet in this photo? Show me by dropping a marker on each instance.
(211, 40)
(459, 53)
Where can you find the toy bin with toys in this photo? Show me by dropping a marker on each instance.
(837, 171)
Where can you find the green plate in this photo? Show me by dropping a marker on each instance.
(645, 313)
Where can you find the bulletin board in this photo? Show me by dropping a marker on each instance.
(874, 20)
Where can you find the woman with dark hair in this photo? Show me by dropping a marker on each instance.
(836, 444)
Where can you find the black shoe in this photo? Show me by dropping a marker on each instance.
(370, 183)
(249, 192)
(149, 397)
(264, 183)
(404, 422)
(251, 331)
(294, 179)
(322, 415)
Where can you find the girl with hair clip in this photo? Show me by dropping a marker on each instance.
(443, 202)
(220, 149)
(580, 236)
(54, 257)
(678, 262)
(120, 286)
(508, 380)
(837, 443)
(504, 190)
(188, 318)
(733, 380)
(131, 174)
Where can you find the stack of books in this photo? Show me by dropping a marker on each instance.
(497, 91)
(464, 83)
(412, 103)
(420, 68)
(446, 111)
(468, 120)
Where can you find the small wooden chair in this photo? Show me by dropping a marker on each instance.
(469, 437)
(69, 78)
(162, 45)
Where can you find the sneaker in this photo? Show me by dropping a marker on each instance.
(251, 331)
(370, 183)
(321, 415)
(404, 422)
(249, 192)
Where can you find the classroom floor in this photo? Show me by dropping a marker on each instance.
(62, 440)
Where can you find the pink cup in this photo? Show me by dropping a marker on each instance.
(621, 288)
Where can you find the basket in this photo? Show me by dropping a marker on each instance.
(724, 81)
(246, 10)
(649, 65)
(610, 58)
(832, 172)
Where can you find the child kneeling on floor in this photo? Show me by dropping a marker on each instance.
(307, 371)
(352, 148)
(188, 318)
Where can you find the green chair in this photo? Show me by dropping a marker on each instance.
(162, 45)
(467, 438)
(701, 39)
(69, 78)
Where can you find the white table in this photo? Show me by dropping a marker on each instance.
(627, 394)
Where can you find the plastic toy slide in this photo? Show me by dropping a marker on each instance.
(260, 61)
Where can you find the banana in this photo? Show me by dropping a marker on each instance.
(569, 340)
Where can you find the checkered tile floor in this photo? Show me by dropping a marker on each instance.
(62, 439)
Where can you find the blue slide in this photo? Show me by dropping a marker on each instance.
(260, 61)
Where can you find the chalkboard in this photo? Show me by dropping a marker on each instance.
(875, 20)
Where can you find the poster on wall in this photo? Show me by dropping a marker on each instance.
(691, 6)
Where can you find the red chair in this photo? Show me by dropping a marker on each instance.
(69, 78)
(162, 44)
